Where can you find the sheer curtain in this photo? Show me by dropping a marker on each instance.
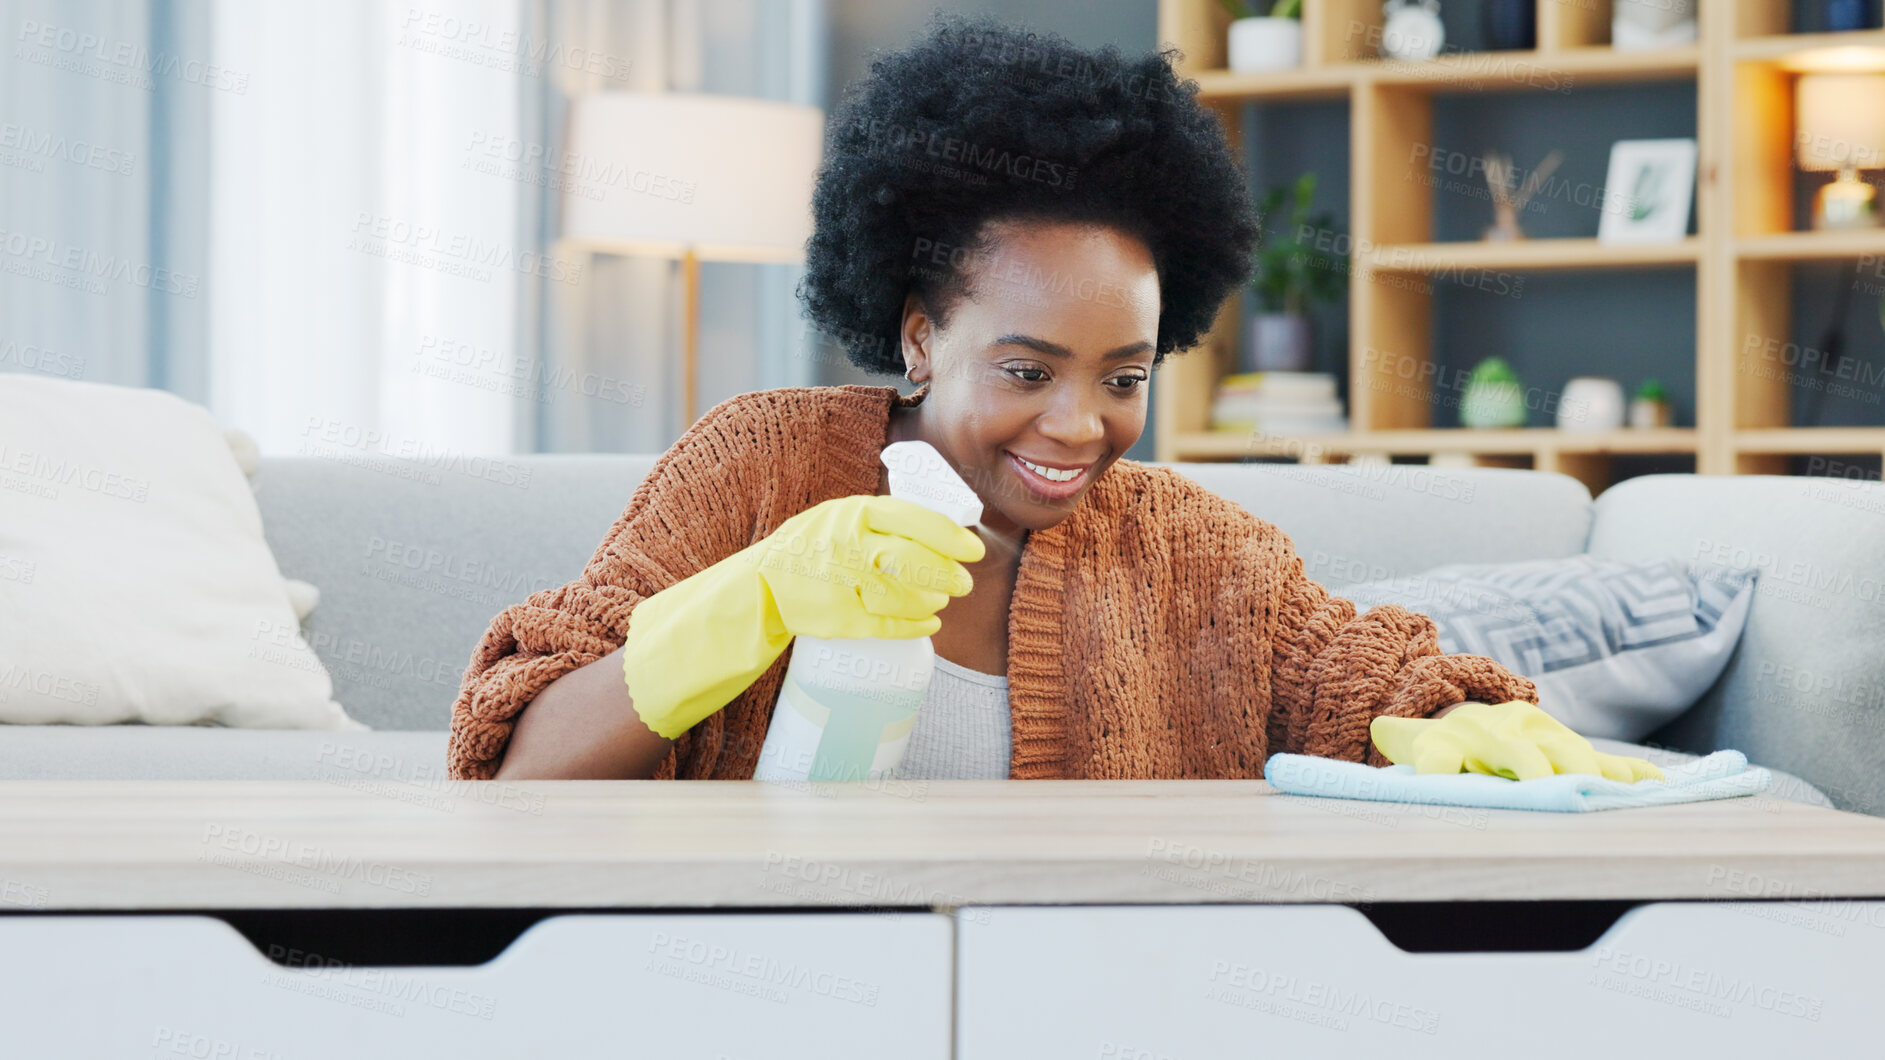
(104, 114)
(336, 224)
(356, 270)
(382, 242)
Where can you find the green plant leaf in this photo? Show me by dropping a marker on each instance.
(1302, 259)
(1646, 194)
(1492, 370)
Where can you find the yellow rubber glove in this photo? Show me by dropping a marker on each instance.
(861, 566)
(1515, 740)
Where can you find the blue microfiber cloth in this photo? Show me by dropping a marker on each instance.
(1722, 775)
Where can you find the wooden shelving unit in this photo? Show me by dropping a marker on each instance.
(1744, 67)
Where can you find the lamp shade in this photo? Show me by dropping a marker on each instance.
(656, 173)
(1839, 121)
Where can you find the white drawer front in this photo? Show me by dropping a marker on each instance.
(718, 987)
(1187, 982)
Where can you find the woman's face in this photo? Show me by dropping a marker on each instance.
(1040, 380)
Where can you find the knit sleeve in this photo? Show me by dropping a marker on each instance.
(1332, 672)
(695, 508)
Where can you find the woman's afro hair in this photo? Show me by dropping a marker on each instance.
(980, 121)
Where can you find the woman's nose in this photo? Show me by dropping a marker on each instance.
(1073, 421)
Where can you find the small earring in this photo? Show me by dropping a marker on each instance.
(910, 373)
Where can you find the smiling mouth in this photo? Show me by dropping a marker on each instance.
(1046, 480)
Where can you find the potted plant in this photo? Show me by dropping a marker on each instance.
(1493, 396)
(1301, 262)
(1264, 44)
(1650, 407)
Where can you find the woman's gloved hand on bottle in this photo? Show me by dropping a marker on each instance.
(862, 566)
(1515, 740)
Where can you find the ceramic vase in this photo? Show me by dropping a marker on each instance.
(1279, 342)
(1590, 403)
(1265, 45)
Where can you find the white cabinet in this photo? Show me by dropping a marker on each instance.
(1189, 982)
(713, 986)
(1119, 982)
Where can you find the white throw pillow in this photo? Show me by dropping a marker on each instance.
(135, 583)
(1616, 649)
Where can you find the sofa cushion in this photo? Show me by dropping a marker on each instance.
(409, 766)
(1805, 689)
(135, 580)
(1785, 788)
(201, 752)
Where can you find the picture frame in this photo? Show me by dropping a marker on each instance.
(1648, 192)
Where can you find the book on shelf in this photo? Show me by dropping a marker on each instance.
(1278, 403)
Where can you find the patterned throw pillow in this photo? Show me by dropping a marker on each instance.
(1616, 649)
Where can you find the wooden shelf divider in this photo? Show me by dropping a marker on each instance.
(1219, 444)
(1776, 47)
(1463, 72)
(1859, 245)
(1810, 440)
(1530, 255)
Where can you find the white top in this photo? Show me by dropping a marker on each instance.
(963, 731)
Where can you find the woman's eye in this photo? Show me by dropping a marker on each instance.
(1125, 384)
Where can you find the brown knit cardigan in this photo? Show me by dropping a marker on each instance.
(1159, 631)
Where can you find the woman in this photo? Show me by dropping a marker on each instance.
(1027, 231)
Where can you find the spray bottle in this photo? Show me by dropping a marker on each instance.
(847, 707)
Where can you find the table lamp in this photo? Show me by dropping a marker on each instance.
(1839, 120)
(694, 177)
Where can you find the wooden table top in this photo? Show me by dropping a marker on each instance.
(119, 845)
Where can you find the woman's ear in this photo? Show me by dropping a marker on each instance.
(915, 338)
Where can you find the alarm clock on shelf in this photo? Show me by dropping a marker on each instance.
(1412, 31)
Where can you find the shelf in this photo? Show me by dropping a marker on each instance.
(1206, 445)
(1649, 440)
(1812, 246)
(1218, 445)
(1811, 440)
(1328, 82)
(1528, 255)
(1535, 71)
(1560, 71)
(1781, 45)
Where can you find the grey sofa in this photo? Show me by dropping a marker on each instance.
(414, 559)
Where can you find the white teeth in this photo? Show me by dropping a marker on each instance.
(1051, 474)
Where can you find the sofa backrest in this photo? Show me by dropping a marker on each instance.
(1805, 689)
(1363, 523)
(414, 561)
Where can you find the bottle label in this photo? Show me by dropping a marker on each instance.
(854, 725)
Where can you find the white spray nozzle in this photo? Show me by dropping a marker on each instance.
(918, 473)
